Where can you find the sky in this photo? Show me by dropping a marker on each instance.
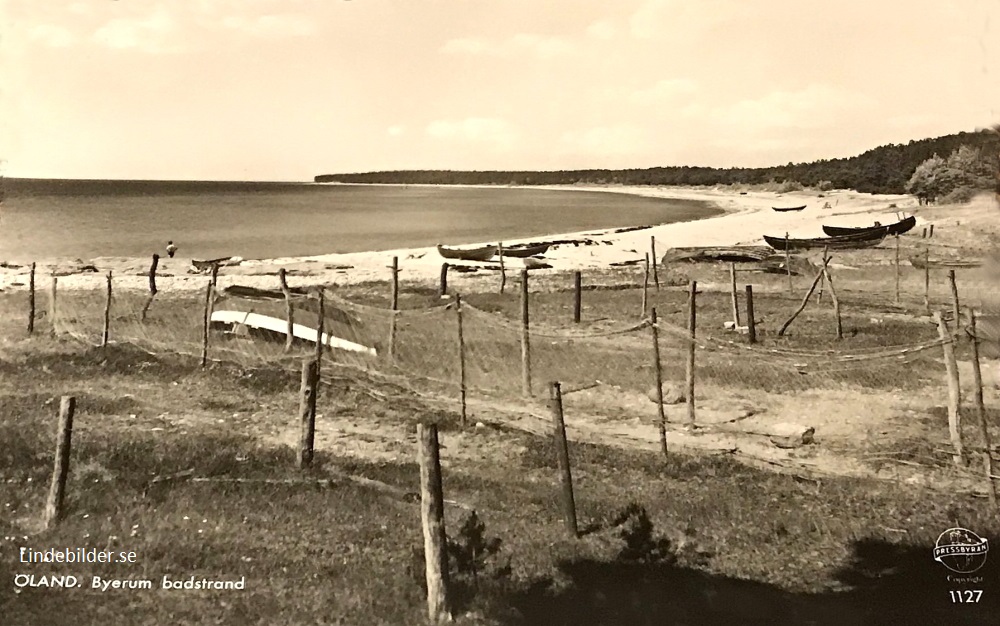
(287, 89)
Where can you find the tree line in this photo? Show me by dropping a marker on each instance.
(886, 169)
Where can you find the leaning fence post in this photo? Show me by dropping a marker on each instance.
(692, 314)
(206, 322)
(984, 431)
(461, 354)
(577, 295)
(645, 286)
(31, 300)
(956, 311)
(393, 307)
(525, 338)
(833, 296)
(954, 398)
(751, 322)
(53, 303)
(652, 253)
(562, 456)
(736, 300)
(432, 522)
(152, 285)
(107, 315)
(658, 368)
(60, 471)
(307, 413)
(289, 310)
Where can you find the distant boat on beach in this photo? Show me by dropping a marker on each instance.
(526, 251)
(847, 242)
(897, 228)
(790, 208)
(469, 254)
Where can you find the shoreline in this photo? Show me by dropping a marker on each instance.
(744, 219)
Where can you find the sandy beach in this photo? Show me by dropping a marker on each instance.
(747, 217)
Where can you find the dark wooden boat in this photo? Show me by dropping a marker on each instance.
(898, 228)
(205, 266)
(919, 263)
(526, 251)
(727, 254)
(849, 242)
(790, 208)
(470, 254)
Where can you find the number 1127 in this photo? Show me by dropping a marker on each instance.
(966, 596)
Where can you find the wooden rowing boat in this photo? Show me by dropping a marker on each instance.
(850, 242)
(898, 228)
(206, 266)
(526, 250)
(918, 262)
(790, 208)
(278, 326)
(469, 254)
(727, 254)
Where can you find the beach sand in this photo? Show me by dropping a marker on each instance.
(746, 218)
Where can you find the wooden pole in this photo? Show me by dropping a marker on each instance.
(461, 354)
(658, 368)
(930, 233)
(984, 431)
(897, 268)
(525, 339)
(60, 472)
(307, 412)
(503, 271)
(751, 322)
(645, 287)
(107, 315)
(215, 274)
(206, 322)
(656, 275)
(923, 235)
(562, 457)
(802, 306)
(152, 286)
(31, 301)
(788, 264)
(833, 296)
(432, 522)
(577, 295)
(692, 312)
(393, 306)
(736, 300)
(956, 311)
(954, 412)
(289, 309)
(320, 329)
(927, 280)
(53, 303)
(444, 279)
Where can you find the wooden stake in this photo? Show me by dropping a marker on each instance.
(60, 471)
(984, 431)
(802, 306)
(461, 354)
(577, 295)
(152, 286)
(31, 300)
(503, 271)
(525, 340)
(432, 521)
(393, 306)
(751, 322)
(206, 322)
(215, 274)
(897, 268)
(107, 315)
(692, 313)
(307, 412)
(320, 329)
(289, 310)
(658, 368)
(53, 303)
(645, 287)
(652, 248)
(954, 412)
(736, 300)
(930, 233)
(562, 457)
(788, 264)
(444, 279)
(833, 296)
(955, 310)
(927, 280)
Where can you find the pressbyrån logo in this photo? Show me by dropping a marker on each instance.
(961, 550)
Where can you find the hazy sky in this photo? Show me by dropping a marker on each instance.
(285, 89)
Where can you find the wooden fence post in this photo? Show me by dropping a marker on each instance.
(320, 330)
(444, 279)
(930, 233)
(692, 318)
(833, 296)
(393, 307)
(461, 354)
(984, 431)
(562, 456)
(525, 339)
(207, 322)
(432, 522)
(503, 271)
(736, 300)
(31, 300)
(656, 275)
(152, 286)
(60, 471)
(819, 277)
(751, 322)
(658, 368)
(924, 234)
(577, 295)
(897, 268)
(954, 411)
(927, 280)
(215, 275)
(107, 315)
(788, 264)
(645, 287)
(307, 412)
(53, 303)
(289, 310)
(956, 311)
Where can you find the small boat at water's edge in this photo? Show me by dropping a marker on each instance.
(526, 251)
(470, 254)
(790, 208)
(898, 228)
(850, 242)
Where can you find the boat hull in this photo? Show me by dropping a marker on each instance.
(471, 254)
(833, 243)
(900, 227)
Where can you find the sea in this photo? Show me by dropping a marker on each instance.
(47, 219)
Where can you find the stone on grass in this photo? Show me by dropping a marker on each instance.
(671, 394)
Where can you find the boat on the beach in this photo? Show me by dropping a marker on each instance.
(526, 251)
(206, 266)
(788, 208)
(848, 242)
(897, 228)
(920, 263)
(277, 329)
(469, 254)
(727, 254)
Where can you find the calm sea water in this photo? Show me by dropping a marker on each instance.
(63, 219)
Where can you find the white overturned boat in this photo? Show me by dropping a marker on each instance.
(280, 326)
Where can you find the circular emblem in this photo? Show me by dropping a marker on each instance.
(961, 550)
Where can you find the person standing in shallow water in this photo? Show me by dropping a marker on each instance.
(171, 249)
